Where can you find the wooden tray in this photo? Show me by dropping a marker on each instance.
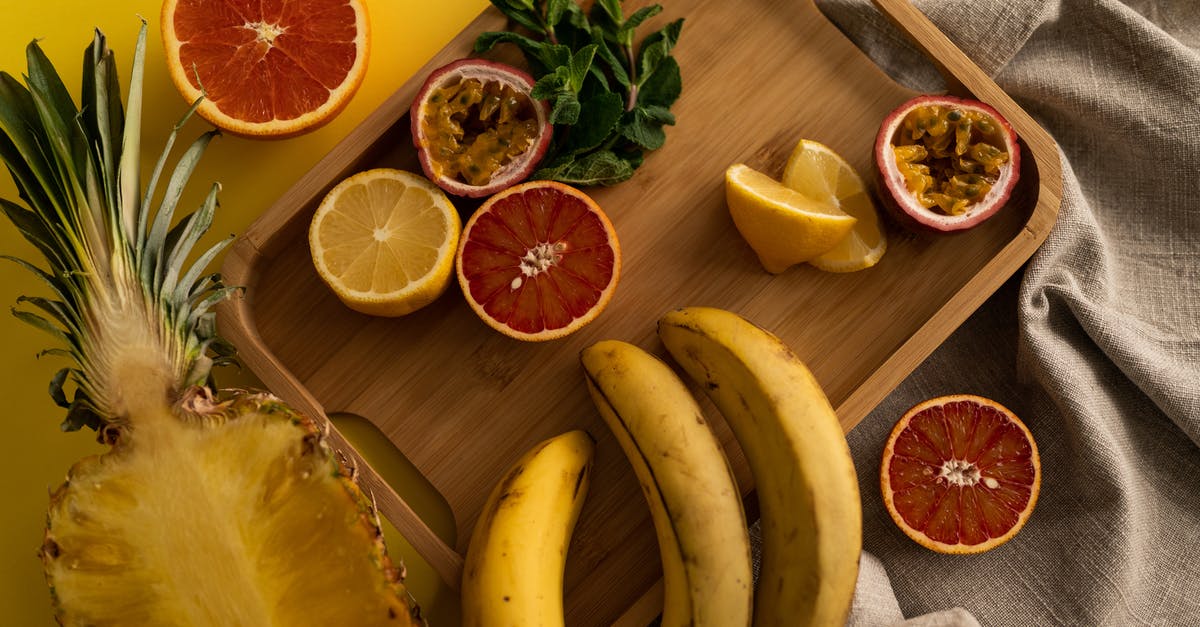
(462, 402)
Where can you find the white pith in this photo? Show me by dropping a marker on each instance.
(961, 473)
(541, 258)
(265, 32)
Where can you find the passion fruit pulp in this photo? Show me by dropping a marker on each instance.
(945, 163)
(476, 128)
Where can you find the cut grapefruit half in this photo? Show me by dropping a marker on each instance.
(266, 69)
(538, 261)
(960, 474)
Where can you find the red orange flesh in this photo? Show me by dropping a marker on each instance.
(270, 68)
(538, 261)
(960, 474)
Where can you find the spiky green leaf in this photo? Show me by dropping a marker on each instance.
(131, 140)
(56, 388)
(41, 323)
(152, 263)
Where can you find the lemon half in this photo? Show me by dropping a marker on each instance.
(384, 241)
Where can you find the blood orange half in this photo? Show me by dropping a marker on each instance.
(960, 474)
(267, 69)
(538, 261)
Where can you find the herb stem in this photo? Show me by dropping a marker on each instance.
(547, 27)
(631, 101)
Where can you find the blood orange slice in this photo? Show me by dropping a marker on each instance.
(267, 69)
(960, 474)
(538, 261)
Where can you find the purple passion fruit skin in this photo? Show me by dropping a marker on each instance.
(945, 164)
(476, 129)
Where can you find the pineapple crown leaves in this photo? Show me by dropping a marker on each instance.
(110, 257)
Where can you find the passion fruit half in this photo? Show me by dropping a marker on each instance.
(945, 163)
(476, 128)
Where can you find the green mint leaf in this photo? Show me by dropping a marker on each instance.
(550, 85)
(555, 9)
(522, 12)
(566, 108)
(625, 33)
(661, 115)
(534, 50)
(528, 5)
(633, 156)
(597, 168)
(662, 88)
(657, 46)
(639, 128)
(612, 8)
(581, 62)
(577, 18)
(488, 40)
(573, 29)
(554, 56)
(598, 117)
(597, 73)
(606, 54)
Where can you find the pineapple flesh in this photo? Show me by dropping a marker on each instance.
(218, 508)
(240, 522)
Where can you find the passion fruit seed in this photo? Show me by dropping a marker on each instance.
(475, 128)
(948, 156)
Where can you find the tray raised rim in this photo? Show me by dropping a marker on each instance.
(239, 325)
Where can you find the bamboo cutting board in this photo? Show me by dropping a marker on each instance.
(463, 402)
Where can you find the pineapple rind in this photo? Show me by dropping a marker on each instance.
(131, 539)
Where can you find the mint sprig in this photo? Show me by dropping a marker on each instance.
(610, 98)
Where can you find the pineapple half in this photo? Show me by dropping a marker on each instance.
(209, 509)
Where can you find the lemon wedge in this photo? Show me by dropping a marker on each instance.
(782, 225)
(821, 174)
(384, 241)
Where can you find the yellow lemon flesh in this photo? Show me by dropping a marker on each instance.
(782, 225)
(384, 241)
(821, 174)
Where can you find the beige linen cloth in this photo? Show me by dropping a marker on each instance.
(1095, 344)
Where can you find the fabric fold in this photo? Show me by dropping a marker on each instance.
(1095, 345)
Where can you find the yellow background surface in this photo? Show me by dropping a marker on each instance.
(36, 454)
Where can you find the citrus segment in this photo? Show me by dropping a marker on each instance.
(384, 241)
(538, 261)
(960, 474)
(782, 225)
(266, 69)
(818, 172)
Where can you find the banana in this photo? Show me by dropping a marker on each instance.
(807, 489)
(687, 481)
(513, 573)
